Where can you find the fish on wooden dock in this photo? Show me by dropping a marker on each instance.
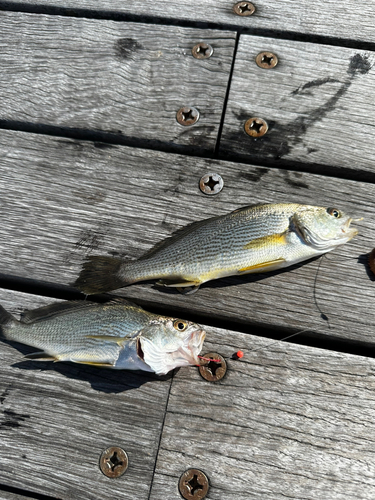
(117, 334)
(253, 239)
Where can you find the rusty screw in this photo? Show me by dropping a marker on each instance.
(212, 370)
(244, 8)
(256, 127)
(211, 184)
(266, 60)
(202, 50)
(113, 462)
(187, 116)
(193, 484)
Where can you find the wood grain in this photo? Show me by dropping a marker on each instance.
(286, 422)
(329, 18)
(57, 418)
(317, 100)
(124, 79)
(62, 200)
(7, 495)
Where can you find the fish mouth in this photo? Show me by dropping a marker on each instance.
(195, 345)
(348, 231)
(325, 244)
(187, 354)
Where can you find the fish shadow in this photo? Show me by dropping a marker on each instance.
(104, 380)
(364, 259)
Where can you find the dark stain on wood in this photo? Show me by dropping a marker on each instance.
(290, 178)
(282, 138)
(255, 175)
(4, 395)
(125, 47)
(314, 83)
(104, 145)
(13, 419)
(359, 63)
(89, 239)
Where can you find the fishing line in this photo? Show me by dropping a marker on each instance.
(281, 340)
(322, 314)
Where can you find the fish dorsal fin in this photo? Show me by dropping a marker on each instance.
(54, 310)
(186, 230)
(254, 205)
(176, 235)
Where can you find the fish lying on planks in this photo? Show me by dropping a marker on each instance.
(252, 239)
(116, 334)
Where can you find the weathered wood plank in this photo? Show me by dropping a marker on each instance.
(286, 422)
(317, 100)
(120, 78)
(57, 419)
(62, 200)
(7, 495)
(326, 18)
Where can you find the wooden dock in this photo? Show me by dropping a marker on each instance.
(94, 162)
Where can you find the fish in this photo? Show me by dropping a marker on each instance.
(253, 239)
(116, 334)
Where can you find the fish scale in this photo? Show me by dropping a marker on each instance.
(257, 238)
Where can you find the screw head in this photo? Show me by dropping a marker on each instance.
(202, 50)
(266, 60)
(193, 484)
(256, 127)
(187, 116)
(113, 462)
(211, 184)
(212, 370)
(244, 8)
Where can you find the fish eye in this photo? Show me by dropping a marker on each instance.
(180, 325)
(334, 212)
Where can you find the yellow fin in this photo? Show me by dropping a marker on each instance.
(180, 284)
(261, 266)
(272, 240)
(92, 363)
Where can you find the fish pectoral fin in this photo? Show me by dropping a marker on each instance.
(40, 356)
(277, 239)
(262, 266)
(178, 283)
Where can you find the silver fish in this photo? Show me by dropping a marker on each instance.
(116, 334)
(252, 239)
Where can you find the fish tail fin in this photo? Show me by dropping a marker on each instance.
(6, 319)
(100, 274)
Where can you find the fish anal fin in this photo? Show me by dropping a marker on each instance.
(40, 356)
(178, 283)
(277, 239)
(93, 363)
(262, 266)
